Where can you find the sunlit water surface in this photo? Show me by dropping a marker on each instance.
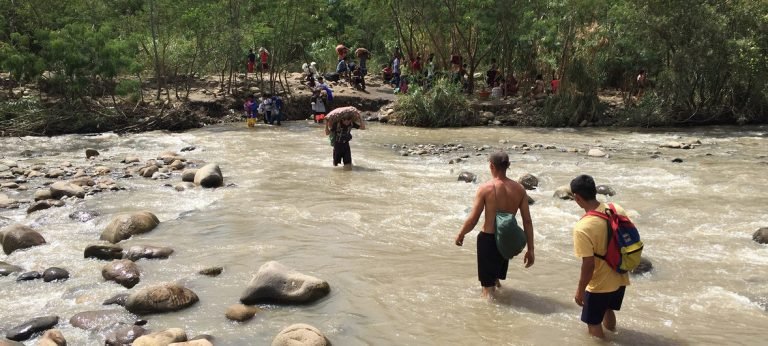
(382, 235)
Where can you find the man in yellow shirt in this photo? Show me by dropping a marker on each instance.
(601, 289)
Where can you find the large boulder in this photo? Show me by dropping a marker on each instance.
(99, 319)
(17, 237)
(7, 269)
(103, 252)
(209, 176)
(529, 181)
(52, 337)
(137, 252)
(467, 177)
(162, 338)
(188, 175)
(31, 327)
(761, 236)
(563, 192)
(240, 312)
(124, 272)
(276, 283)
(300, 335)
(61, 189)
(124, 226)
(160, 298)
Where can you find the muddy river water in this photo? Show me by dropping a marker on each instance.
(382, 234)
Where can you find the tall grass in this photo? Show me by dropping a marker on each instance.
(443, 105)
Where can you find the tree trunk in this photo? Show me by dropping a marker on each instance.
(153, 29)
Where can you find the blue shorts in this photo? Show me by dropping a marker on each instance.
(596, 304)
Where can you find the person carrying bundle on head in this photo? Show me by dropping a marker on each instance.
(338, 127)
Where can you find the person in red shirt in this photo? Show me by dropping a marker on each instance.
(554, 84)
(264, 56)
(416, 66)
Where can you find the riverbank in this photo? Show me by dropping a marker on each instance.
(29, 111)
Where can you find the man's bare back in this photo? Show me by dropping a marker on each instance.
(508, 197)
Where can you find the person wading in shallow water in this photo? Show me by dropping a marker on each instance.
(503, 195)
(601, 289)
(340, 131)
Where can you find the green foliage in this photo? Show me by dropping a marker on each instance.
(17, 58)
(444, 105)
(577, 99)
(705, 59)
(130, 88)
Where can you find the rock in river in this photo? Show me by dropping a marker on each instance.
(761, 236)
(300, 334)
(99, 319)
(17, 237)
(563, 192)
(240, 312)
(276, 283)
(645, 266)
(126, 225)
(29, 276)
(103, 252)
(52, 337)
(188, 175)
(31, 327)
(136, 252)
(165, 337)
(62, 189)
(160, 298)
(55, 274)
(605, 190)
(467, 177)
(89, 153)
(594, 152)
(209, 176)
(7, 268)
(84, 215)
(124, 272)
(529, 181)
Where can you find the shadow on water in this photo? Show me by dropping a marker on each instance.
(635, 337)
(531, 302)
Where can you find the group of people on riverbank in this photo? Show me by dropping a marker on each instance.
(263, 60)
(268, 108)
(600, 289)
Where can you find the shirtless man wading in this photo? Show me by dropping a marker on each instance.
(503, 194)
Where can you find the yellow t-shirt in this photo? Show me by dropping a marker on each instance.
(590, 237)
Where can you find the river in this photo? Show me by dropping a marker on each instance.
(382, 234)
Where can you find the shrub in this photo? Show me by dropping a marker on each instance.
(443, 105)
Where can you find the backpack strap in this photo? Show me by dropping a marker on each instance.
(610, 218)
